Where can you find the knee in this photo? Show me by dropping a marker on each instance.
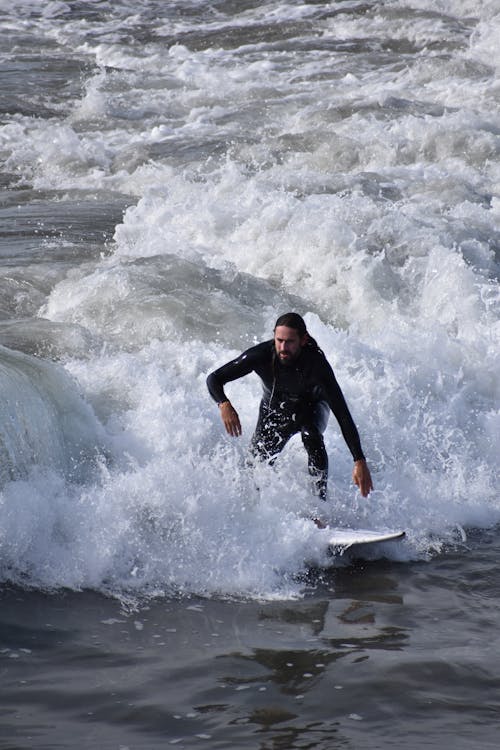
(265, 446)
(312, 438)
(316, 451)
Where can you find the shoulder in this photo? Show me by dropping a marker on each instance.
(317, 360)
(265, 346)
(313, 352)
(260, 352)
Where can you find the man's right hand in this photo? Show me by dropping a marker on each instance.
(230, 417)
(361, 476)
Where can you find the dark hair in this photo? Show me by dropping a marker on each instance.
(292, 320)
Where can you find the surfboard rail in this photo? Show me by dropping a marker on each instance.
(340, 540)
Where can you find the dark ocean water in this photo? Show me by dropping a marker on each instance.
(173, 177)
(374, 655)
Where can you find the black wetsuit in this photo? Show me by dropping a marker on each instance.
(297, 398)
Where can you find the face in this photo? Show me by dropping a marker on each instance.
(288, 343)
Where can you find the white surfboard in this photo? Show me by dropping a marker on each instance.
(341, 540)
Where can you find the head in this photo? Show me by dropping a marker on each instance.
(290, 335)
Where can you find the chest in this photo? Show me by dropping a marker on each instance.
(294, 381)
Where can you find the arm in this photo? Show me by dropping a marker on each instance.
(236, 368)
(361, 473)
(337, 403)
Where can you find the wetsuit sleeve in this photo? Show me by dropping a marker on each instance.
(337, 403)
(236, 368)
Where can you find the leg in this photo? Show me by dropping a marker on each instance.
(272, 432)
(312, 438)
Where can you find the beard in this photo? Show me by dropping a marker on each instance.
(288, 358)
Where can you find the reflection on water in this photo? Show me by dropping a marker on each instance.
(181, 669)
(332, 670)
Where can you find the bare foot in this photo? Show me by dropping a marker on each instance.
(319, 523)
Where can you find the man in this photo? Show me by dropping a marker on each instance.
(299, 388)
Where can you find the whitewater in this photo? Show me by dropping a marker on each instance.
(174, 176)
(320, 158)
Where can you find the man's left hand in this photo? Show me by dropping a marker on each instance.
(362, 478)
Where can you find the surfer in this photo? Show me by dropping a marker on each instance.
(299, 390)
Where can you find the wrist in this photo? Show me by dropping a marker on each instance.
(223, 403)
